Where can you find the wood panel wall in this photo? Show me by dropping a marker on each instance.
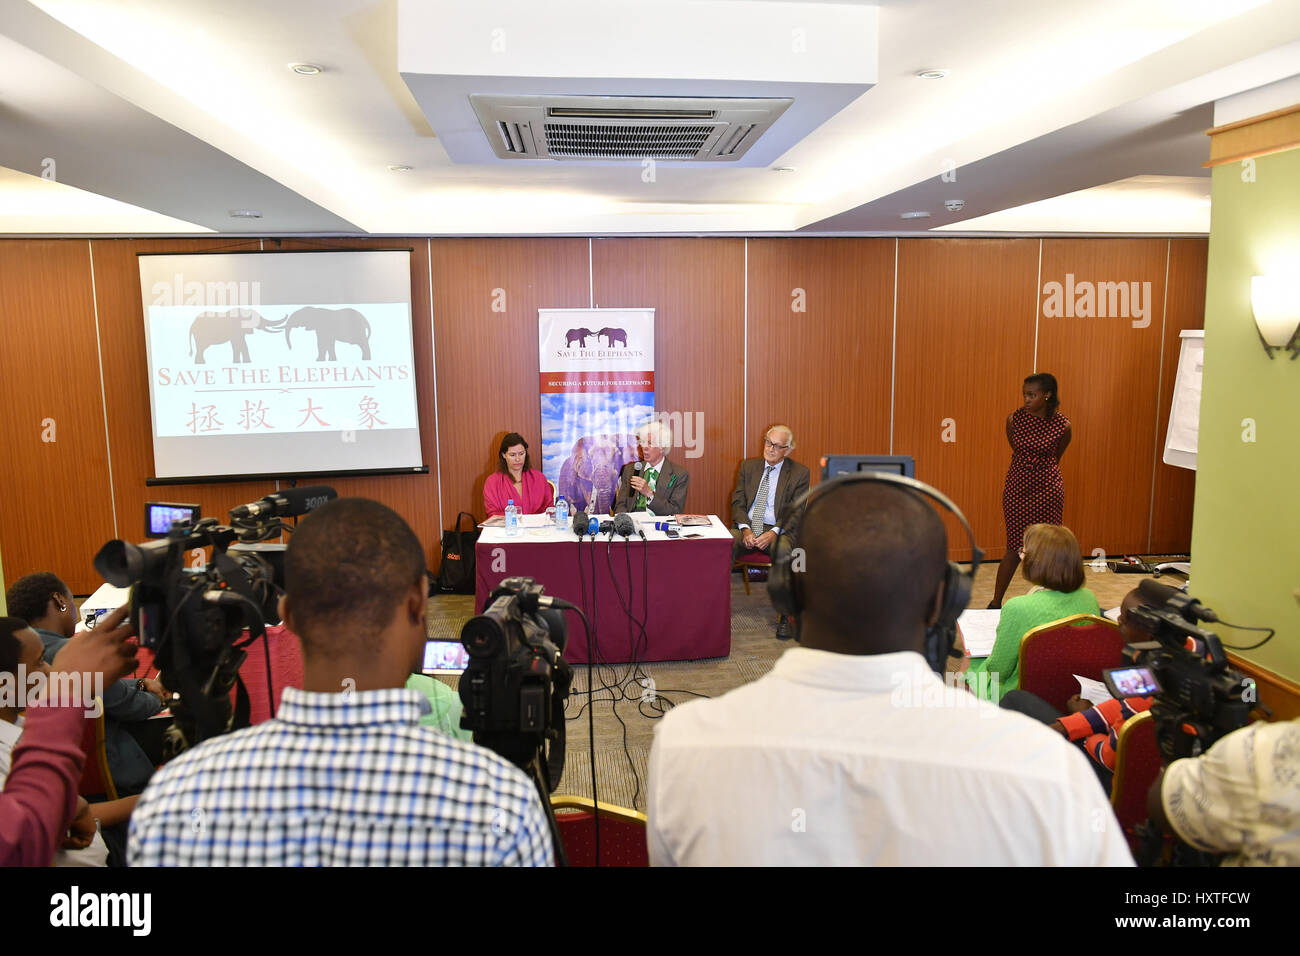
(820, 344)
(859, 344)
(55, 505)
(697, 289)
(1173, 488)
(487, 361)
(965, 344)
(1108, 372)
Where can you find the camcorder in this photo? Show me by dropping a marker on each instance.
(193, 619)
(1197, 697)
(516, 683)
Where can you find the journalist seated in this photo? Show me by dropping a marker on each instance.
(1240, 798)
(1052, 562)
(852, 751)
(344, 774)
(84, 844)
(46, 603)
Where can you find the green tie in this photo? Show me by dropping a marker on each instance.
(650, 475)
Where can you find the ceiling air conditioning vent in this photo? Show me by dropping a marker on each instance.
(516, 140)
(628, 128)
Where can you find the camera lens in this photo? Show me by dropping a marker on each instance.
(482, 636)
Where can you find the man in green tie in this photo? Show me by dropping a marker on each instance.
(652, 483)
(763, 504)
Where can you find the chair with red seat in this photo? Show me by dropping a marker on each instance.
(1137, 764)
(1052, 654)
(751, 559)
(96, 778)
(622, 832)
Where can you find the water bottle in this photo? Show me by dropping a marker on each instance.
(512, 519)
(561, 515)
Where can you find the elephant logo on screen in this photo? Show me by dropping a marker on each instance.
(331, 326)
(577, 335)
(589, 476)
(612, 336)
(213, 328)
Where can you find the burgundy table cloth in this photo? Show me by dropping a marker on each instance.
(686, 607)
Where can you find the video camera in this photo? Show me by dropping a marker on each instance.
(192, 619)
(1198, 697)
(516, 683)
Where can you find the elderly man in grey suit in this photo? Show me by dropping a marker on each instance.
(658, 486)
(763, 504)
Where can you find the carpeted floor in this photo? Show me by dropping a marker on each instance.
(625, 728)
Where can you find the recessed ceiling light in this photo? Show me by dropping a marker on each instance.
(305, 69)
(931, 74)
(782, 169)
(245, 214)
(399, 168)
(918, 214)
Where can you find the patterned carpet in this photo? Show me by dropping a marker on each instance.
(625, 727)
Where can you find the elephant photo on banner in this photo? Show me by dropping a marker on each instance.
(589, 476)
(331, 326)
(216, 328)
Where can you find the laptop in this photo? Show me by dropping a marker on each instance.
(444, 657)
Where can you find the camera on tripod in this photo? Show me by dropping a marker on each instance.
(193, 619)
(517, 681)
(1198, 696)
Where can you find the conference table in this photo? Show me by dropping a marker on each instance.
(680, 590)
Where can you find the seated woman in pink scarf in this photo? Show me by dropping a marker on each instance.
(516, 478)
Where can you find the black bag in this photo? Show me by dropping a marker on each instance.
(456, 576)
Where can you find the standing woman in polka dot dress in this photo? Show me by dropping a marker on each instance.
(1034, 492)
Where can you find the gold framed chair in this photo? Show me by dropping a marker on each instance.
(622, 832)
(96, 778)
(1051, 654)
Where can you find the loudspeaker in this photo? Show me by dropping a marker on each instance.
(783, 588)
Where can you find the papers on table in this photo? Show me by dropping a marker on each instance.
(1184, 567)
(1113, 614)
(979, 629)
(1093, 691)
(525, 521)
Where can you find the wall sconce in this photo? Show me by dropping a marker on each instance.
(1275, 300)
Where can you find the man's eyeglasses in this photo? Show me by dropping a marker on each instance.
(772, 444)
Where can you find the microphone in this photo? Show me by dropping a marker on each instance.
(580, 523)
(289, 503)
(624, 525)
(593, 526)
(1188, 607)
(607, 527)
(638, 466)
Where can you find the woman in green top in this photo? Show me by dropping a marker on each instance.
(1052, 561)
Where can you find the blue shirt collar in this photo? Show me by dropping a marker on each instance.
(395, 705)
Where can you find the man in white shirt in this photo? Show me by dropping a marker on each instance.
(852, 751)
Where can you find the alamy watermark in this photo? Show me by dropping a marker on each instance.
(1085, 299)
(915, 689)
(59, 689)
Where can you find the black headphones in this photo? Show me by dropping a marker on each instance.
(783, 588)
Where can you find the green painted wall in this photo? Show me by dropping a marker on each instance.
(1246, 521)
